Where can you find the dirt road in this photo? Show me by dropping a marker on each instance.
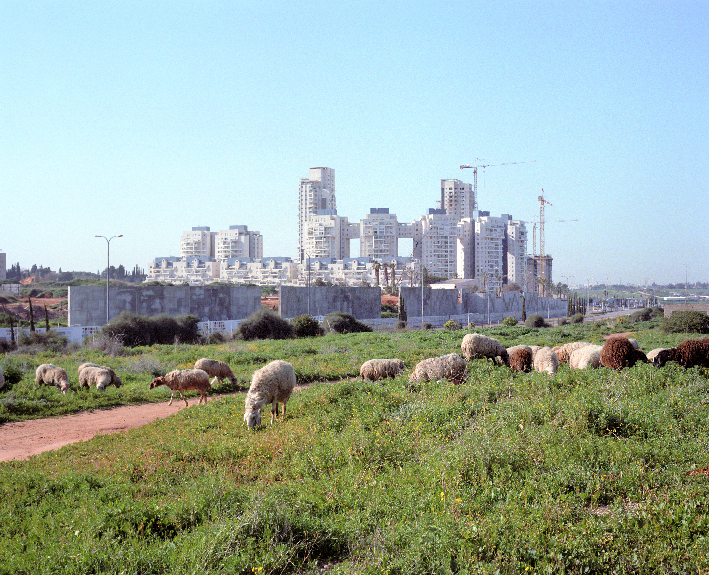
(26, 438)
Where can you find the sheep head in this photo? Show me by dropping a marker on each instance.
(252, 418)
(157, 382)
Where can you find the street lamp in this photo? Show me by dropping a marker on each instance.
(108, 267)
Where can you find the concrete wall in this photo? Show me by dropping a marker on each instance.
(444, 302)
(670, 308)
(87, 304)
(360, 302)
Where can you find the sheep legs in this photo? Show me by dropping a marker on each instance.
(181, 396)
(274, 411)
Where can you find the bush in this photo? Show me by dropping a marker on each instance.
(427, 325)
(452, 325)
(576, 318)
(37, 341)
(109, 344)
(510, 321)
(340, 322)
(13, 374)
(641, 315)
(400, 325)
(137, 330)
(534, 320)
(686, 322)
(265, 324)
(306, 326)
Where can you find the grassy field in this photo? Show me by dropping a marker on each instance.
(585, 472)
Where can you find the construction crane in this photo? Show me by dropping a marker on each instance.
(483, 166)
(534, 232)
(542, 201)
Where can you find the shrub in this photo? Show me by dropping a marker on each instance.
(427, 325)
(622, 320)
(340, 322)
(510, 321)
(686, 322)
(534, 320)
(36, 341)
(306, 326)
(400, 325)
(265, 324)
(136, 330)
(452, 325)
(109, 344)
(214, 338)
(641, 315)
(13, 374)
(576, 318)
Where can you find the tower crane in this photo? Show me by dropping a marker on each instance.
(483, 166)
(542, 201)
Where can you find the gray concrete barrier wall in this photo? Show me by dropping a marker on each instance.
(436, 302)
(360, 302)
(87, 304)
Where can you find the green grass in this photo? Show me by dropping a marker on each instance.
(586, 472)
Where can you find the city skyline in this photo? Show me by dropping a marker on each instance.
(147, 120)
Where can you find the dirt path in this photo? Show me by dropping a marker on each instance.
(26, 438)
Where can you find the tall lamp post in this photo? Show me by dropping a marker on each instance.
(108, 267)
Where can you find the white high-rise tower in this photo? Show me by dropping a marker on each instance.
(316, 197)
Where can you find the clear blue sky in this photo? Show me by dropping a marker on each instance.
(148, 118)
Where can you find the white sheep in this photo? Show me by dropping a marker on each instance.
(49, 374)
(273, 383)
(216, 369)
(545, 360)
(653, 353)
(376, 369)
(563, 352)
(99, 376)
(451, 367)
(583, 357)
(182, 380)
(477, 345)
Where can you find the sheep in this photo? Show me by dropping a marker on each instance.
(375, 369)
(451, 367)
(652, 354)
(182, 380)
(545, 360)
(618, 352)
(49, 374)
(476, 345)
(216, 369)
(563, 352)
(99, 376)
(689, 353)
(273, 383)
(589, 355)
(521, 359)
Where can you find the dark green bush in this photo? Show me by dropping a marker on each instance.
(641, 315)
(453, 325)
(340, 322)
(265, 324)
(13, 374)
(427, 325)
(576, 318)
(306, 326)
(534, 320)
(686, 322)
(138, 330)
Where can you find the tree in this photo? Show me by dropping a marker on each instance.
(377, 267)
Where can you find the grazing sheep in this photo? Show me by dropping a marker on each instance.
(618, 352)
(99, 376)
(216, 369)
(182, 380)
(563, 352)
(273, 383)
(2, 378)
(689, 353)
(511, 350)
(476, 345)
(652, 354)
(545, 360)
(521, 359)
(451, 367)
(589, 355)
(48, 374)
(376, 369)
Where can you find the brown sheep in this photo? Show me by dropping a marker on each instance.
(689, 353)
(618, 352)
(521, 360)
(182, 380)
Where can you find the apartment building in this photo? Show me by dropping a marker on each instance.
(458, 199)
(379, 234)
(199, 243)
(438, 243)
(316, 196)
(238, 242)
